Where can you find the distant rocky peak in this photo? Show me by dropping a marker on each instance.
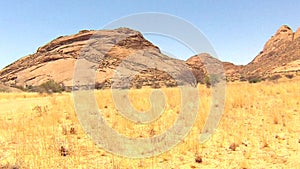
(283, 36)
(280, 50)
(297, 34)
(284, 30)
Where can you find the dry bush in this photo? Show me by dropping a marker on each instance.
(289, 76)
(274, 77)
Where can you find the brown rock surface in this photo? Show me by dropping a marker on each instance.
(280, 55)
(203, 64)
(105, 50)
(4, 88)
(297, 34)
(232, 71)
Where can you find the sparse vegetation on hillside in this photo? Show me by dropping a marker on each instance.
(50, 87)
(2, 90)
(47, 87)
(254, 79)
(289, 76)
(211, 80)
(275, 77)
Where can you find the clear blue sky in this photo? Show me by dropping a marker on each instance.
(236, 29)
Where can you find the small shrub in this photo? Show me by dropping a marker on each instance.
(137, 85)
(99, 85)
(2, 90)
(243, 78)
(211, 80)
(38, 110)
(64, 151)
(289, 76)
(73, 130)
(207, 81)
(64, 130)
(275, 77)
(254, 79)
(155, 85)
(52, 87)
(233, 146)
(198, 159)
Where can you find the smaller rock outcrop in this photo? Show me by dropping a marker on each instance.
(203, 65)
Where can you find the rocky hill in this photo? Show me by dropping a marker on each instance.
(280, 55)
(106, 49)
(232, 71)
(109, 52)
(203, 65)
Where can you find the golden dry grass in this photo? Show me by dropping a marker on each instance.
(259, 129)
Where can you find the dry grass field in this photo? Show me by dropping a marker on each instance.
(260, 128)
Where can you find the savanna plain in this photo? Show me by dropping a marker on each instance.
(259, 128)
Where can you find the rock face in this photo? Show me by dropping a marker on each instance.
(7, 89)
(280, 54)
(297, 34)
(232, 71)
(203, 65)
(55, 60)
(283, 37)
(106, 50)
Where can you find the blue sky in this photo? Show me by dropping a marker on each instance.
(236, 29)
